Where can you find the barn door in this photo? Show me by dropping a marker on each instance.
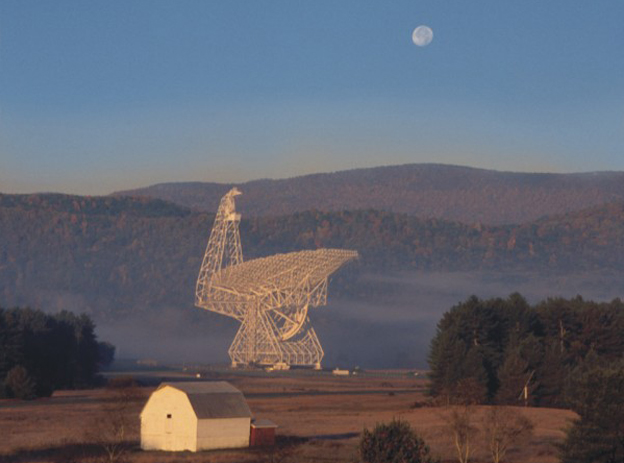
(168, 424)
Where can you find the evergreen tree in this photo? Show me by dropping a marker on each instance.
(550, 376)
(595, 393)
(513, 375)
(471, 340)
(446, 357)
(11, 342)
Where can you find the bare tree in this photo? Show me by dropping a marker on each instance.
(462, 430)
(504, 427)
(112, 427)
(467, 393)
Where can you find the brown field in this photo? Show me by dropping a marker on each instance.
(319, 417)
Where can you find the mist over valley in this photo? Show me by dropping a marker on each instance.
(132, 262)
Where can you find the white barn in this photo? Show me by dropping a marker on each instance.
(195, 416)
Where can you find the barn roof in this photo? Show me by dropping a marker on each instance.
(203, 387)
(213, 399)
(264, 423)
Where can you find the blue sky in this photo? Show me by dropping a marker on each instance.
(97, 96)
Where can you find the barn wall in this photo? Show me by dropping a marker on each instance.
(262, 437)
(161, 433)
(223, 433)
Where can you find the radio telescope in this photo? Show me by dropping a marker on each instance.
(270, 296)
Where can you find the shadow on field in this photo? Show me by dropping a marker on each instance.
(346, 435)
(94, 453)
(64, 453)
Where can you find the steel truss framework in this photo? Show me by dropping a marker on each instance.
(270, 296)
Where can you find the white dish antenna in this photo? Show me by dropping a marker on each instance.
(270, 296)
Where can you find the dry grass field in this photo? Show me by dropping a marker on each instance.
(319, 417)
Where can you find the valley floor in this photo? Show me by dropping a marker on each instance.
(320, 418)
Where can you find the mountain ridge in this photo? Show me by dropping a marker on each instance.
(455, 193)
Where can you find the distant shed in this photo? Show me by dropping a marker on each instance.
(195, 416)
(262, 433)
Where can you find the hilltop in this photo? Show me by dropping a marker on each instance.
(446, 192)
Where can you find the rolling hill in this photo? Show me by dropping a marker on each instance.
(110, 255)
(446, 192)
(131, 263)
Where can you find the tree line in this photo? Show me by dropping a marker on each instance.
(509, 352)
(559, 352)
(40, 353)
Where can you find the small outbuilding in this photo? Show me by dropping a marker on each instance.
(195, 416)
(262, 433)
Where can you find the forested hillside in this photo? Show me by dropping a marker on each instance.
(445, 192)
(117, 254)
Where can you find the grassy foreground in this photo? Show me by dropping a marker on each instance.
(320, 418)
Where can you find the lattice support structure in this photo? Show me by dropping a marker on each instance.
(224, 245)
(270, 296)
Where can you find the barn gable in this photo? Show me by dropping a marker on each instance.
(168, 421)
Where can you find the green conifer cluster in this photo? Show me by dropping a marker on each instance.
(40, 353)
(509, 352)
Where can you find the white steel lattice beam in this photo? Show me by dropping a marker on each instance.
(270, 296)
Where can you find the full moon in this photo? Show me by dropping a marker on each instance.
(422, 36)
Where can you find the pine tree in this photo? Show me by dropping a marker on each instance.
(513, 375)
(598, 435)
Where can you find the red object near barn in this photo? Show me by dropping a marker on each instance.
(262, 433)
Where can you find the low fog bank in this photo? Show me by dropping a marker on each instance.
(182, 335)
(386, 321)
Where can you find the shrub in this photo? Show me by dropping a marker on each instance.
(394, 442)
(20, 384)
